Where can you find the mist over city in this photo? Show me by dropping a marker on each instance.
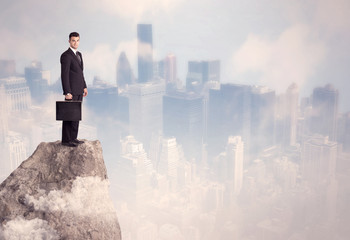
(217, 119)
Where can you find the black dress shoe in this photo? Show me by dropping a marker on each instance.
(69, 144)
(76, 141)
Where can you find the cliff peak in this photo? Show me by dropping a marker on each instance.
(59, 193)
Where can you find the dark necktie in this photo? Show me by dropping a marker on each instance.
(78, 56)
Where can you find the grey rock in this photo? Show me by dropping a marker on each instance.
(60, 193)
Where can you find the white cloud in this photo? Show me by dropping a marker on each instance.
(132, 9)
(34, 229)
(130, 49)
(333, 16)
(89, 197)
(292, 57)
(144, 50)
(102, 60)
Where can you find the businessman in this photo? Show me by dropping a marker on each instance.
(74, 86)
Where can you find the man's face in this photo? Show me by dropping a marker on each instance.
(74, 42)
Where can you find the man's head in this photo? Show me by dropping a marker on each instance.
(74, 40)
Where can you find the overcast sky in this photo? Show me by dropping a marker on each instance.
(264, 42)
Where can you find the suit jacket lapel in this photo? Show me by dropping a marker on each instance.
(76, 58)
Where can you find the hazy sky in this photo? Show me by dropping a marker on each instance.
(265, 42)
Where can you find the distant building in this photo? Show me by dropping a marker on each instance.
(286, 172)
(37, 81)
(125, 76)
(229, 114)
(183, 119)
(144, 53)
(325, 112)
(344, 131)
(134, 171)
(169, 161)
(167, 70)
(16, 146)
(235, 157)
(3, 115)
(145, 110)
(200, 73)
(17, 93)
(318, 158)
(262, 125)
(287, 116)
(214, 196)
(103, 98)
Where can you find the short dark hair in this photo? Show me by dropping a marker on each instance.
(73, 34)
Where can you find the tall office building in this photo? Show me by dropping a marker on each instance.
(318, 158)
(325, 112)
(134, 173)
(262, 131)
(3, 115)
(3, 133)
(167, 69)
(144, 52)
(290, 115)
(169, 161)
(183, 119)
(125, 76)
(202, 72)
(17, 93)
(235, 157)
(229, 113)
(37, 83)
(145, 110)
(103, 98)
(344, 131)
(17, 149)
(286, 172)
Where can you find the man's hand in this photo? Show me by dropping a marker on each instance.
(68, 96)
(85, 92)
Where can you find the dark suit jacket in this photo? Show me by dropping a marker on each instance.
(72, 76)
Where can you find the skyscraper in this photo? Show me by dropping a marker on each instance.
(144, 52)
(169, 161)
(103, 98)
(3, 115)
(229, 113)
(289, 116)
(235, 155)
(201, 72)
(167, 69)
(134, 173)
(325, 112)
(125, 75)
(262, 131)
(145, 110)
(344, 131)
(17, 93)
(38, 85)
(318, 158)
(183, 119)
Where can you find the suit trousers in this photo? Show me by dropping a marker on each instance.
(70, 128)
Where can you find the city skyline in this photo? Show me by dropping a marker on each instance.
(256, 42)
(156, 167)
(235, 134)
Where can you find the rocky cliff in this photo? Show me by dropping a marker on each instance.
(59, 193)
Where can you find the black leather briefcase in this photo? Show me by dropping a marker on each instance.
(68, 110)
